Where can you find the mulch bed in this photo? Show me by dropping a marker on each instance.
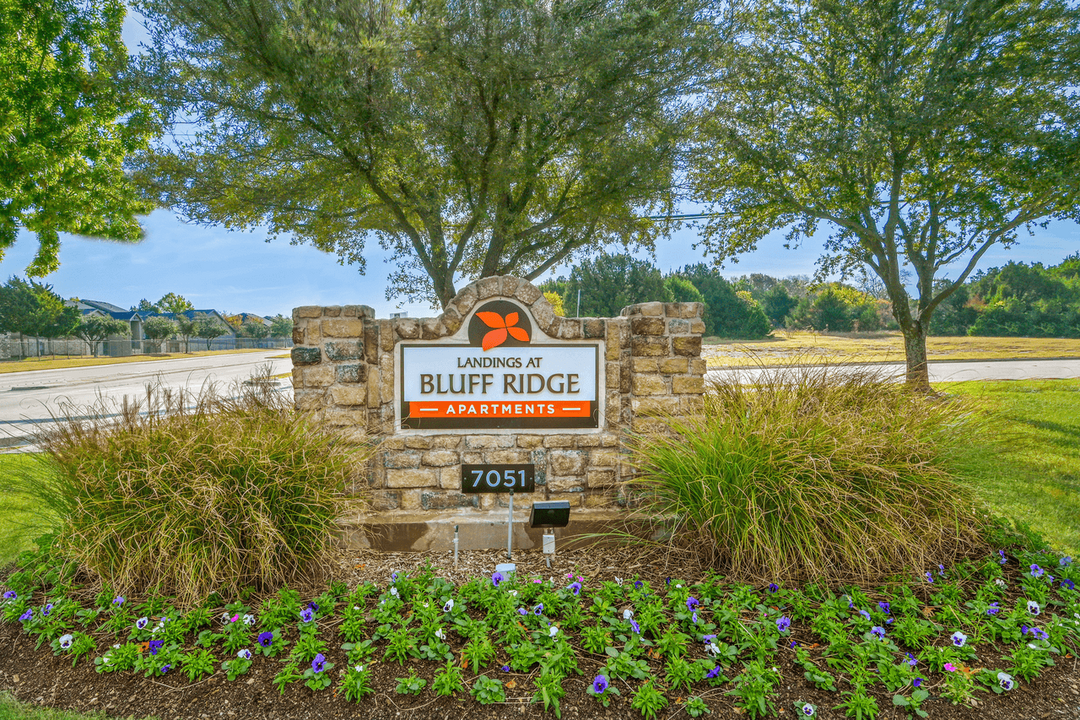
(36, 676)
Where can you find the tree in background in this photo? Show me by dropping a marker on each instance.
(778, 304)
(67, 125)
(173, 303)
(609, 283)
(33, 309)
(158, 329)
(556, 301)
(253, 329)
(281, 326)
(726, 314)
(682, 290)
(94, 329)
(145, 306)
(472, 139)
(208, 328)
(921, 133)
(187, 328)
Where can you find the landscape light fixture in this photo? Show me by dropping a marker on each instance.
(550, 514)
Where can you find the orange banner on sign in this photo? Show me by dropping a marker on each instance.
(499, 409)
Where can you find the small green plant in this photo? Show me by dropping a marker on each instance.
(857, 704)
(356, 683)
(411, 685)
(648, 700)
(238, 665)
(696, 707)
(118, 657)
(549, 691)
(317, 676)
(77, 645)
(448, 680)
(488, 690)
(602, 690)
(197, 663)
(286, 676)
(478, 652)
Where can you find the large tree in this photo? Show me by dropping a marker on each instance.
(922, 133)
(471, 137)
(608, 283)
(95, 329)
(66, 125)
(33, 309)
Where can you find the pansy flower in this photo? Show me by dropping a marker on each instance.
(1005, 680)
(878, 632)
(29, 614)
(691, 604)
(808, 710)
(319, 663)
(929, 578)
(1068, 584)
(783, 623)
(575, 588)
(627, 614)
(448, 606)
(1001, 557)
(1065, 561)
(994, 609)
(553, 631)
(599, 684)
(773, 588)
(118, 600)
(307, 615)
(959, 639)
(266, 639)
(141, 623)
(244, 654)
(1033, 607)
(949, 667)
(522, 612)
(10, 595)
(635, 627)
(65, 641)
(538, 609)
(885, 606)
(154, 646)
(1036, 571)
(496, 578)
(46, 610)
(249, 620)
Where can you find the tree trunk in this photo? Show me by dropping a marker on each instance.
(917, 375)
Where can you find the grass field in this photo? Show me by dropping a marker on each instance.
(11, 709)
(782, 347)
(1030, 469)
(58, 362)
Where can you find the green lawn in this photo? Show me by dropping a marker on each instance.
(11, 709)
(1028, 468)
(20, 521)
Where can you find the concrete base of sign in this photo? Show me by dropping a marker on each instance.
(434, 531)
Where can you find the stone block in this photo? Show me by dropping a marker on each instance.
(646, 346)
(386, 376)
(600, 478)
(644, 365)
(588, 441)
(349, 394)
(332, 311)
(567, 462)
(691, 405)
(624, 380)
(574, 498)
(685, 310)
(530, 442)
(697, 326)
(351, 373)
(306, 311)
(594, 328)
(446, 442)
(698, 366)
(472, 458)
(432, 329)
(559, 441)
(678, 326)
(411, 478)
(407, 328)
(447, 500)
(308, 400)
(344, 416)
(374, 388)
(306, 355)
(648, 384)
(685, 384)
(528, 293)
(297, 335)
(508, 285)
(661, 405)
(572, 484)
(440, 458)
(487, 287)
(410, 499)
(603, 458)
(319, 376)
(652, 309)
(394, 443)
(451, 320)
(465, 300)
(687, 345)
(647, 325)
(569, 329)
(371, 342)
(543, 314)
(600, 499)
(489, 442)
(340, 350)
(674, 366)
(418, 442)
(612, 372)
(507, 457)
(342, 327)
(382, 500)
(617, 333)
(401, 459)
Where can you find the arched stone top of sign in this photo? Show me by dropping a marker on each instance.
(514, 288)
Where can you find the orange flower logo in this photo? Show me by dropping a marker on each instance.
(502, 328)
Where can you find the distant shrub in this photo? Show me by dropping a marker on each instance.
(195, 494)
(812, 475)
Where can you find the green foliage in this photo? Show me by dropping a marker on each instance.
(465, 158)
(68, 124)
(208, 328)
(195, 495)
(281, 326)
(726, 313)
(748, 481)
(648, 700)
(608, 283)
(158, 329)
(197, 663)
(34, 309)
(682, 290)
(900, 144)
(92, 329)
(448, 680)
(356, 683)
(488, 690)
(411, 685)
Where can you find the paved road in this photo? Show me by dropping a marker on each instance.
(950, 371)
(29, 398)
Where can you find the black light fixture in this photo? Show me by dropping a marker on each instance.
(550, 514)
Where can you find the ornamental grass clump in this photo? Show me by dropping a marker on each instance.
(813, 474)
(193, 494)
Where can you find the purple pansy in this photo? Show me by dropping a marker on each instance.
(1036, 571)
(783, 623)
(994, 609)
(154, 646)
(496, 578)
(885, 607)
(878, 632)
(29, 614)
(691, 604)
(714, 673)
(307, 615)
(266, 639)
(773, 588)
(575, 588)
(600, 684)
(319, 663)
(538, 609)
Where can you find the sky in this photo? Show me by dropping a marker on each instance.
(234, 271)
